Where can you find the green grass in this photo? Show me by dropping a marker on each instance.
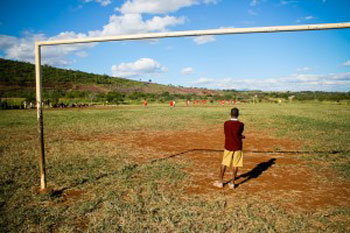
(115, 193)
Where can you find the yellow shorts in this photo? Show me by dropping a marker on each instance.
(233, 158)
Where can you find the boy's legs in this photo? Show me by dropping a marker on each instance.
(234, 175)
(237, 162)
(222, 173)
(226, 162)
(220, 182)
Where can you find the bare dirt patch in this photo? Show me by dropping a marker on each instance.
(281, 178)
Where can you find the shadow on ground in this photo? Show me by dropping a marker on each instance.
(256, 171)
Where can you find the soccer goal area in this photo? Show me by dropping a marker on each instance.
(147, 36)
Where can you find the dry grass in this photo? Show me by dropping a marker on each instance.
(101, 186)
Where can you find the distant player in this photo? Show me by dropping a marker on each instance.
(171, 103)
(187, 102)
(145, 103)
(233, 154)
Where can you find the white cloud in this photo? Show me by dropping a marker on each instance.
(304, 69)
(204, 39)
(187, 70)
(143, 66)
(347, 63)
(211, 1)
(294, 82)
(254, 2)
(203, 81)
(134, 23)
(287, 2)
(309, 17)
(153, 7)
(305, 18)
(82, 54)
(161, 23)
(22, 48)
(101, 2)
(130, 21)
(7, 41)
(158, 6)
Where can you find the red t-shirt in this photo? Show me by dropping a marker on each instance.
(233, 135)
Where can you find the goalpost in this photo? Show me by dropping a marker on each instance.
(226, 31)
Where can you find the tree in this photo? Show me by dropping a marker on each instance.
(30, 97)
(115, 97)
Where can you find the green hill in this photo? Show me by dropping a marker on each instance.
(18, 78)
(17, 81)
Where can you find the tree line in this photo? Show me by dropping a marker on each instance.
(17, 80)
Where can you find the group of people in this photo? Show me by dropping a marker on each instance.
(195, 102)
(172, 103)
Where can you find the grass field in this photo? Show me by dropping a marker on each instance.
(131, 169)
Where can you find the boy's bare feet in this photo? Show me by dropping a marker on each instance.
(218, 184)
(232, 185)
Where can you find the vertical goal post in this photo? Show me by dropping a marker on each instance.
(147, 36)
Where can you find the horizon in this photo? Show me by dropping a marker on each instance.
(289, 61)
(180, 86)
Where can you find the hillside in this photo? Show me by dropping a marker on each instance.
(17, 79)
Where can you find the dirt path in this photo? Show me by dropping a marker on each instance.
(282, 178)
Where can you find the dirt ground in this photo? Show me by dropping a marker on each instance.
(279, 177)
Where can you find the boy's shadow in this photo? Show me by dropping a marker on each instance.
(256, 172)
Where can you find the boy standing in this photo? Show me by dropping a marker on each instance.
(233, 154)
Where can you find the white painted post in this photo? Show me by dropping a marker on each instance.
(39, 105)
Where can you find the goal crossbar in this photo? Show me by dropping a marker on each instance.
(209, 32)
(147, 36)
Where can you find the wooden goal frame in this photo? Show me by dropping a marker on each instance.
(221, 31)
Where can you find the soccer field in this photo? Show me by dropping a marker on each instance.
(136, 169)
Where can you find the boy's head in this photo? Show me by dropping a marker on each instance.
(234, 112)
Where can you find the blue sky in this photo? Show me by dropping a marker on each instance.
(317, 60)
